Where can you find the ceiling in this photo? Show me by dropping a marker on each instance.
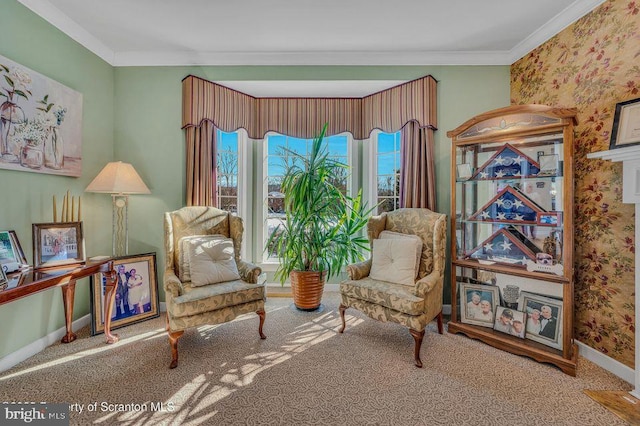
(310, 32)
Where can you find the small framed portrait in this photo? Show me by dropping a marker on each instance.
(464, 171)
(510, 321)
(477, 303)
(136, 297)
(626, 124)
(549, 218)
(549, 165)
(544, 319)
(57, 244)
(11, 255)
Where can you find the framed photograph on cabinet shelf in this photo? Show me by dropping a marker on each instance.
(626, 124)
(544, 319)
(510, 322)
(56, 244)
(136, 293)
(477, 303)
(549, 218)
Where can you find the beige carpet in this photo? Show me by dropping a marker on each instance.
(306, 373)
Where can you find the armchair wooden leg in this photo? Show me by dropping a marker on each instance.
(166, 322)
(440, 322)
(344, 324)
(417, 336)
(173, 341)
(261, 314)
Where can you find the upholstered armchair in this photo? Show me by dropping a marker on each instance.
(190, 297)
(418, 301)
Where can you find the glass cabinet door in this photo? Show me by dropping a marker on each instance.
(509, 205)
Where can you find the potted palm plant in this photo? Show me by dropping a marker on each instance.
(323, 227)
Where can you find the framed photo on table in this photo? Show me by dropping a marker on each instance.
(57, 244)
(136, 297)
(626, 124)
(11, 255)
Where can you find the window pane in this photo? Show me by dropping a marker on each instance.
(227, 141)
(337, 146)
(229, 204)
(386, 164)
(275, 144)
(386, 142)
(386, 185)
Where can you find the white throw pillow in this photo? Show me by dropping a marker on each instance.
(390, 235)
(184, 270)
(212, 261)
(393, 260)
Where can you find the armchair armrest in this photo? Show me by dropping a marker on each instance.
(430, 288)
(360, 270)
(172, 284)
(248, 271)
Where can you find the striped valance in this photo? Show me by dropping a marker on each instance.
(388, 110)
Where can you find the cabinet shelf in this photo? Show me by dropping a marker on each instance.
(514, 345)
(512, 244)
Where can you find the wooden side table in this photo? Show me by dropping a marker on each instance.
(33, 281)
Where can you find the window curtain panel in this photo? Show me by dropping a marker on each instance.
(201, 167)
(388, 110)
(417, 167)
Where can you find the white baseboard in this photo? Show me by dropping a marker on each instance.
(39, 345)
(611, 365)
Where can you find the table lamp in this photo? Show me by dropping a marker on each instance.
(119, 179)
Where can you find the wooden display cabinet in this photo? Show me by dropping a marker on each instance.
(512, 223)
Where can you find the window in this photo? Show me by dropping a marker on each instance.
(227, 171)
(386, 170)
(276, 158)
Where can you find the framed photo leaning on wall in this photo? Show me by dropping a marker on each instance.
(626, 124)
(136, 297)
(11, 255)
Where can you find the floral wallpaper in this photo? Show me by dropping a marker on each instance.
(591, 65)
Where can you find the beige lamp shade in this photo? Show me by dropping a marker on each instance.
(118, 178)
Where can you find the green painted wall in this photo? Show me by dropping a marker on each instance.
(25, 198)
(133, 114)
(148, 114)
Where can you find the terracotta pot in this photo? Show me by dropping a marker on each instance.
(307, 287)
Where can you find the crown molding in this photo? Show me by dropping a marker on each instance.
(58, 19)
(562, 20)
(128, 59)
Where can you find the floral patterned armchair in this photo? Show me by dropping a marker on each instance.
(191, 306)
(412, 306)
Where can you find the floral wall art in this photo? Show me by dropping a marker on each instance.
(592, 65)
(40, 122)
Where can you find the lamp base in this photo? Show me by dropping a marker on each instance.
(120, 231)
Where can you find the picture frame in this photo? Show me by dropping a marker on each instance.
(56, 244)
(464, 171)
(549, 218)
(11, 254)
(547, 332)
(626, 124)
(136, 297)
(510, 321)
(549, 165)
(480, 313)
